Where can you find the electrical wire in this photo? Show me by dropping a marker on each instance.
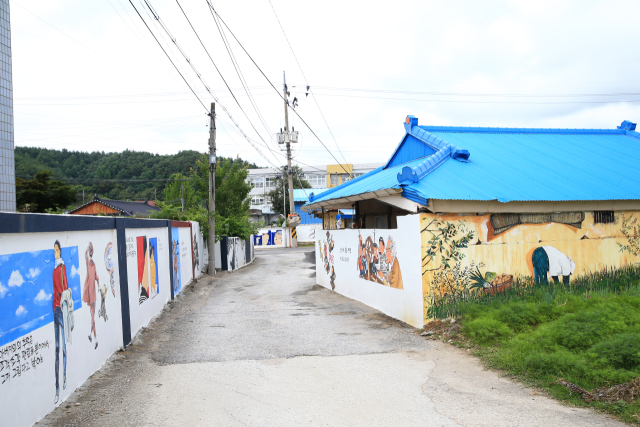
(166, 30)
(225, 81)
(307, 84)
(277, 91)
(168, 57)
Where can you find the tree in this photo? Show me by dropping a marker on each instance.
(232, 201)
(282, 186)
(173, 192)
(42, 193)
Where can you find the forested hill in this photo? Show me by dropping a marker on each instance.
(105, 173)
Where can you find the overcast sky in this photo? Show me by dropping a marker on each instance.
(99, 81)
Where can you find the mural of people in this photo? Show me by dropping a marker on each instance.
(60, 287)
(154, 286)
(108, 262)
(175, 237)
(89, 291)
(143, 269)
(362, 260)
(394, 275)
(383, 265)
(549, 260)
(332, 278)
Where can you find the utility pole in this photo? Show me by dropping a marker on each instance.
(182, 196)
(292, 208)
(212, 191)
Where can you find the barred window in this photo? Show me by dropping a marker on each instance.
(603, 217)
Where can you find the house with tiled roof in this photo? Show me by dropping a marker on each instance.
(506, 204)
(100, 206)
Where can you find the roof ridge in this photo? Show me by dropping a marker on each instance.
(564, 131)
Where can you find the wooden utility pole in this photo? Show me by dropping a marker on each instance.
(292, 208)
(212, 190)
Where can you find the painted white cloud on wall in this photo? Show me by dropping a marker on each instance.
(3, 290)
(33, 273)
(15, 279)
(74, 271)
(21, 311)
(42, 297)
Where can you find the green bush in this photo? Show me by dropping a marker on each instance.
(621, 352)
(486, 330)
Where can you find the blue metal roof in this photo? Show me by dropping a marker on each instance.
(508, 164)
(302, 195)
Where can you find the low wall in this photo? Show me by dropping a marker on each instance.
(351, 262)
(235, 253)
(307, 233)
(271, 238)
(118, 272)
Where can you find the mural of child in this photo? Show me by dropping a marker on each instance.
(89, 290)
(395, 275)
(549, 260)
(60, 285)
(332, 278)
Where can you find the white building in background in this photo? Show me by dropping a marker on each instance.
(320, 177)
(7, 159)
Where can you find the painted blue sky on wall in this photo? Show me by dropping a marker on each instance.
(26, 290)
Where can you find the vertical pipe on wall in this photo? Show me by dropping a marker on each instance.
(121, 245)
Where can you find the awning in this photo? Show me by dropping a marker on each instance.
(347, 213)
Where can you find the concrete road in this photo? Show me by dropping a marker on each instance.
(264, 346)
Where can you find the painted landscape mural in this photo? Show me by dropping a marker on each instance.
(473, 255)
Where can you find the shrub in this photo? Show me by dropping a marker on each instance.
(486, 330)
(621, 351)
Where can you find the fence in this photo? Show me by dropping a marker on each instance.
(74, 290)
(235, 253)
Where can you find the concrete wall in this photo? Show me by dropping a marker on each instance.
(272, 237)
(118, 272)
(236, 253)
(307, 233)
(521, 246)
(350, 263)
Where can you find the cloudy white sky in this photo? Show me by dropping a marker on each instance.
(98, 80)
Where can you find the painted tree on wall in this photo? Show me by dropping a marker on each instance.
(630, 229)
(447, 239)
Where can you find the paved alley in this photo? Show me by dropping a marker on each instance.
(265, 346)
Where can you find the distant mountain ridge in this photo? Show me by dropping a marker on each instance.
(85, 169)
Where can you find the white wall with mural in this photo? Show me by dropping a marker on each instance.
(60, 317)
(380, 268)
(307, 233)
(148, 274)
(238, 253)
(276, 237)
(182, 258)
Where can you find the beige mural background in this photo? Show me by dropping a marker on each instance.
(592, 247)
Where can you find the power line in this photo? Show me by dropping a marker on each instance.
(168, 57)
(307, 83)
(274, 88)
(223, 79)
(166, 30)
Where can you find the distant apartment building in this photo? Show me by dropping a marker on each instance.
(320, 178)
(7, 160)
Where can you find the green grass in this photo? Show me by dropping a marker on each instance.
(587, 333)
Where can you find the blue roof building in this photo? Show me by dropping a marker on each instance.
(444, 169)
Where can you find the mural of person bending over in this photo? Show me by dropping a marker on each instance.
(548, 259)
(60, 287)
(89, 290)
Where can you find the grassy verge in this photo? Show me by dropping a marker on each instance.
(586, 333)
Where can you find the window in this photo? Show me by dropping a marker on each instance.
(257, 200)
(316, 180)
(603, 217)
(270, 183)
(345, 178)
(257, 182)
(334, 180)
(355, 175)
